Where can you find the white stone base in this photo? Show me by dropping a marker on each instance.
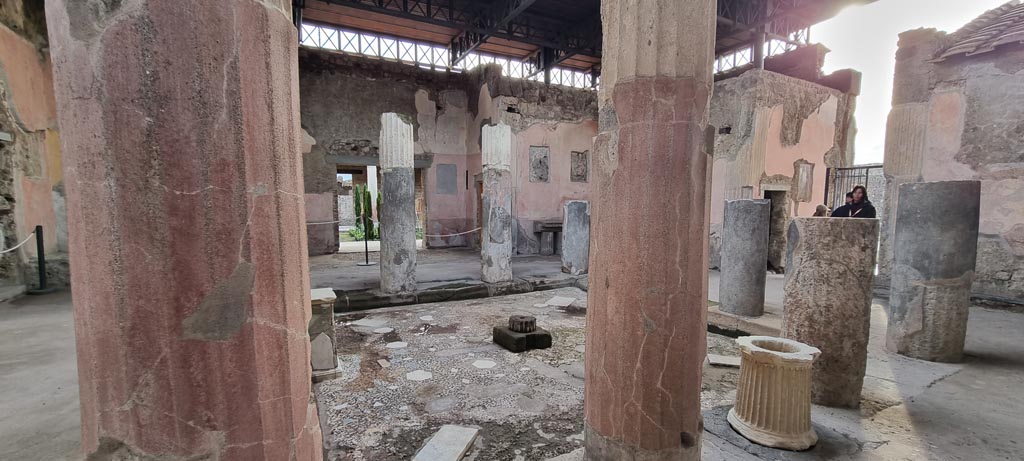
(796, 442)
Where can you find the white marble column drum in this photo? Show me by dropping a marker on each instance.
(773, 398)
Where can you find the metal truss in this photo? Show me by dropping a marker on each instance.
(429, 56)
(777, 17)
(744, 55)
(469, 41)
(507, 22)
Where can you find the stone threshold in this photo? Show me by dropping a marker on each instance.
(357, 300)
(725, 323)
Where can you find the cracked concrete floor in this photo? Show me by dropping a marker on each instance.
(441, 368)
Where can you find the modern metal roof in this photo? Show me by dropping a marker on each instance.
(999, 26)
(549, 33)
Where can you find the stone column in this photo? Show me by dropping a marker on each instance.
(744, 256)
(576, 237)
(830, 264)
(773, 396)
(496, 235)
(935, 246)
(371, 185)
(646, 320)
(397, 211)
(180, 129)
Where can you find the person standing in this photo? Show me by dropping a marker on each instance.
(859, 207)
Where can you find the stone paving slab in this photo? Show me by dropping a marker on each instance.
(448, 444)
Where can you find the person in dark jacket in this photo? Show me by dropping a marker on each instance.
(860, 207)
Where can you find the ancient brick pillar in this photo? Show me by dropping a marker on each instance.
(647, 310)
(180, 131)
(397, 212)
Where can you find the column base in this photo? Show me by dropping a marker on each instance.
(601, 448)
(799, 442)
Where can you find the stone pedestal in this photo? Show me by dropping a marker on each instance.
(830, 265)
(323, 340)
(773, 397)
(576, 237)
(496, 235)
(744, 257)
(646, 326)
(397, 212)
(521, 334)
(180, 128)
(935, 248)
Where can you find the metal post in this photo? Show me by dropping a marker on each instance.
(758, 48)
(366, 238)
(367, 222)
(41, 257)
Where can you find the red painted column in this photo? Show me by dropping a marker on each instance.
(647, 302)
(180, 130)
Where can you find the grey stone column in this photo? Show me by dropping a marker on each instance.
(935, 248)
(398, 206)
(830, 264)
(744, 256)
(576, 237)
(496, 235)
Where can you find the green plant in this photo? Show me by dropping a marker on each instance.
(357, 205)
(368, 214)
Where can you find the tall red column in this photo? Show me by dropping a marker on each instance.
(647, 302)
(179, 122)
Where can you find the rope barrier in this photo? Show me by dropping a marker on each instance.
(15, 247)
(325, 222)
(378, 222)
(453, 235)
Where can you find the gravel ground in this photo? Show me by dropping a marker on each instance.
(406, 371)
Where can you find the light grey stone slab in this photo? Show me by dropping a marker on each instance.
(449, 443)
(322, 354)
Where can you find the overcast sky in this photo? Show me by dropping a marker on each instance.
(864, 38)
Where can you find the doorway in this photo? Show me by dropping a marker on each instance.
(777, 230)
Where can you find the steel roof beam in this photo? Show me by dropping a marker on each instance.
(468, 41)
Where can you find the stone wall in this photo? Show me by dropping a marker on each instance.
(961, 119)
(553, 129)
(343, 97)
(31, 180)
(777, 133)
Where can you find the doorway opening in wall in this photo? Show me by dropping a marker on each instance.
(777, 231)
(355, 180)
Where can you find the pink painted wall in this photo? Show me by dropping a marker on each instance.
(445, 206)
(542, 201)
(28, 78)
(321, 238)
(816, 138)
(449, 213)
